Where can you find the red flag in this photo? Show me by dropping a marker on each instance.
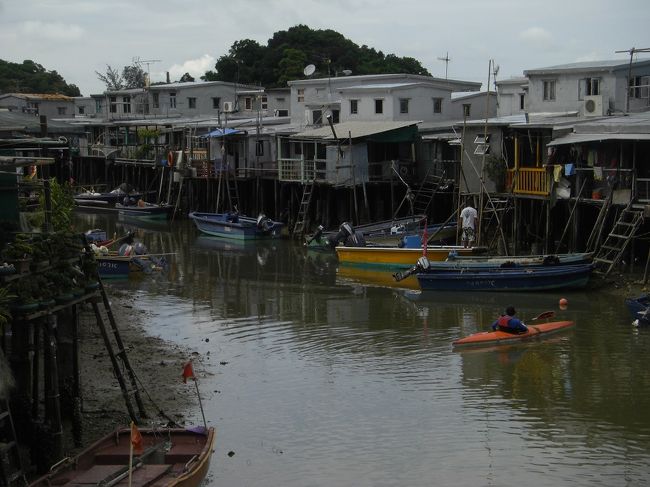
(424, 239)
(188, 371)
(136, 438)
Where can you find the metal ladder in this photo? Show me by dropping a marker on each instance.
(611, 251)
(303, 211)
(425, 193)
(232, 191)
(11, 468)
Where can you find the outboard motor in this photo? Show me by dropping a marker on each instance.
(317, 234)
(345, 230)
(125, 250)
(355, 240)
(139, 249)
(264, 223)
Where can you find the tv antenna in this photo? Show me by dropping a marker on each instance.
(139, 62)
(446, 59)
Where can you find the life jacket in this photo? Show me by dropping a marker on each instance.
(503, 322)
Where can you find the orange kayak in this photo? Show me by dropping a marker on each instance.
(502, 337)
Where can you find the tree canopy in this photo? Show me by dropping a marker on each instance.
(30, 77)
(131, 77)
(289, 51)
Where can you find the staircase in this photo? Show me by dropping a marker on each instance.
(611, 251)
(426, 191)
(303, 211)
(117, 353)
(11, 469)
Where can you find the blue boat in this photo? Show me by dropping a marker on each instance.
(144, 211)
(639, 309)
(234, 226)
(539, 278)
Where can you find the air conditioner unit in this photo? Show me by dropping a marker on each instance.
(228, 107)
(594, 106)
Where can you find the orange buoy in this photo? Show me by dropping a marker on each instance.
(564, 303)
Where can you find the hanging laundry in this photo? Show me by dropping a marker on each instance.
(598, 173)
(557, 172)
(569, 169)
(591, 157)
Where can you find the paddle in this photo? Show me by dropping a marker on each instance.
(544, 315)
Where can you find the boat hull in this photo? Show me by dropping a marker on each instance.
(394, 257)
(245, 228)
(148, 212)
(507, 279)
(487, 262)
(106, 462)
(491, 338)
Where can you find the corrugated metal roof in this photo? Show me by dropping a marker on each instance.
(353, 129)
(582, 138)
(608, 65)
(39, 96)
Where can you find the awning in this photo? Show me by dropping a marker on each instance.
(583, 138)
(222, 132)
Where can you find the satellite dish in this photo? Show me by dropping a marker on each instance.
(347, 72)
(309, 70)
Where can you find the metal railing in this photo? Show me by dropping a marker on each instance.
(529, 180)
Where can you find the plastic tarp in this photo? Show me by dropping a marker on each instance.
(222, 132)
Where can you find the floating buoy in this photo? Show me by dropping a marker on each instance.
(564, 303)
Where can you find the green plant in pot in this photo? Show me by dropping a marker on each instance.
(496, 169)
(6, 298)
(26, 293)
(46, 290)
(19, 253)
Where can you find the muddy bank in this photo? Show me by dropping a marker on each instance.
(157, 364)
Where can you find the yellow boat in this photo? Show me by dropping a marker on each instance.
(374, 277)
(393, 258)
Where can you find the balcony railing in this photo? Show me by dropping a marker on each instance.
(301, 170)
(529, 180)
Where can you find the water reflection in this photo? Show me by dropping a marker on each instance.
(334, 380)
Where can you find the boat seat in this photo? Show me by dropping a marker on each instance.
(182, 453)
(147, 475)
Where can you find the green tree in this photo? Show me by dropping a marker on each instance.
(291, 66)
(31, 77)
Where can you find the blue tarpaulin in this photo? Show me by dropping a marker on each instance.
(222, 132)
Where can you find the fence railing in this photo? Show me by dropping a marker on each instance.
(302, 170)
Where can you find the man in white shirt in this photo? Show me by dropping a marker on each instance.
(469, 221)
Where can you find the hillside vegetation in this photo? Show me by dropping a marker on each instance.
(30, 77)
(288, 52)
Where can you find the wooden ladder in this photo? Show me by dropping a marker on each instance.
(11, 468)
(119, 358)
(232, 191)
(425, 193)
(303, 211)
(611, 251)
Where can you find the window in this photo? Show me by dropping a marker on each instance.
(98, 106)
(467, 108)
(437, 105)
(379, 106)
(301, 94)
(549, 90)
(335, 116)
(354, 107)
(126, 104)
(191, 102)
(216, 102)
(588, 87)
(172, 100)
(317, 117)
(61, 110)
(156, 100)
(259, 148)
(82, 110)
(639, 87)
(522, 101)
(282, 113)
(403, 105)
(265, 103)
(113, 103)
(248, 103)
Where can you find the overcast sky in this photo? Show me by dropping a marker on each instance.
(78, 37)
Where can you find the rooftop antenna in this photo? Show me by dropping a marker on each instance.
(139, 62)
(446, 59)
(632, 52)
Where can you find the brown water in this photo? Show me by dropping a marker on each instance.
(315, 378)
